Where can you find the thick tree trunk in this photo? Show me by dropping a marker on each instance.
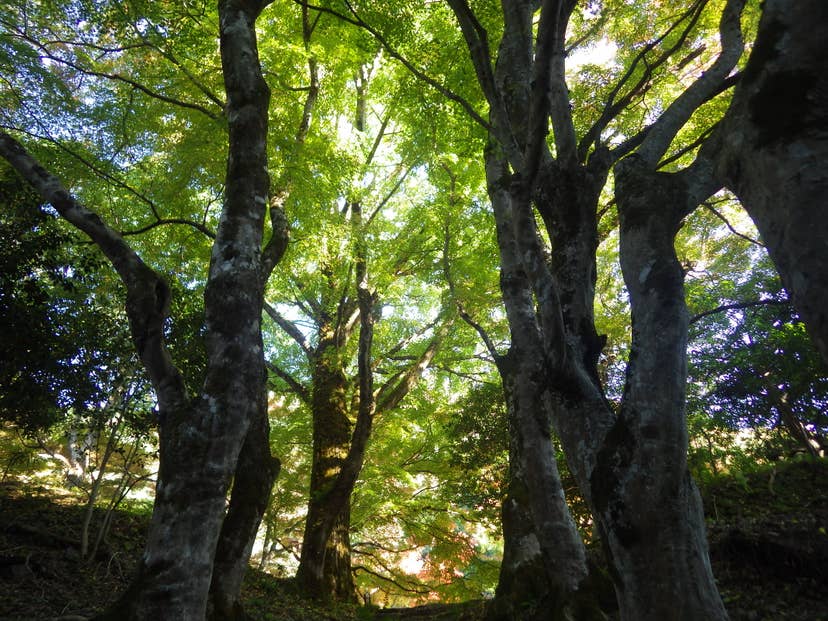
(544, 556)
(541, 577)
(646, 504)
(326, 530)
(775, 146)
(201, 439)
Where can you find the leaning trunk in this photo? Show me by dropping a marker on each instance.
(256, 472)
(539, 530)
(647, 506)
(532, 585)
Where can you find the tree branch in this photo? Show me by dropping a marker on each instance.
(613, 108)
(297, 387)
(730, 227)
(289, 328)
(665, 128)
(148, 296)
(393, 53)
(737, 306)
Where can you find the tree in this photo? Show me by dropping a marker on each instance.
(555, 348)
(42, 306)
(752, 365)
(201, 436)
(774, 147)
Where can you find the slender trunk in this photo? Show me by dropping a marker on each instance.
(647, 506)
(89, 510)
(541, 534)
(810, 442)
(775, 147)
(256, 472)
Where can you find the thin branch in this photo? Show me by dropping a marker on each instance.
(118, 78)
(465, 316)
(613, 108)
(393, 53)
(423, 591)
(198, 84)
(167, 221)
(100, 172)
(737, 306)
(289, 327)
(295, 385)
(389, 195)
(727, 223)
(709, 83)
(390, 397)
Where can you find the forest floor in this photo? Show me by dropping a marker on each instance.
(768, 542)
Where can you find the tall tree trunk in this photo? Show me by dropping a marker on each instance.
(775, 145)
(201, 439)
(647, 507)
(319, 574)
(617, 460)
(544, 556)
(541, 577)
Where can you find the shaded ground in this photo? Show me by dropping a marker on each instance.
(769, 548)
(768, 537)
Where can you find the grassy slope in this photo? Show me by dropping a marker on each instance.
(768, 544)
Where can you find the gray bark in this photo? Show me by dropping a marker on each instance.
(256, 471)
(200, 438)
(646, 504)
(540, 531)
(631, 467)
(775, 149)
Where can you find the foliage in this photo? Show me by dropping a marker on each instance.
(757, 387)
(129, 110)
(45, 364)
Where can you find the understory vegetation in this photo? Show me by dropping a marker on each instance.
(767, 530)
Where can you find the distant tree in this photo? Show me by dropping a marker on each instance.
(752, 366)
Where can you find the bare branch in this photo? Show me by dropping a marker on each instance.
(613, 107)
(738, 306)
(118, 78)
(289, 327)
(295, 385)
(465, 316)
(390, 396)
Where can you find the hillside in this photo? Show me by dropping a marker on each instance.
(768, 540)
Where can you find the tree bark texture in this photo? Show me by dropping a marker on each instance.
(200, 437)
(544, 564)
(324, 566)
(630, 466)
(647, 506)
(256, 471)
(200, 444)
(775, 149)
